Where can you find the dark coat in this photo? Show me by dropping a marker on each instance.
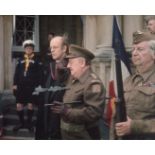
(48, 124)
(27, 81)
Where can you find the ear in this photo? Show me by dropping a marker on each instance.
(83, 62)
(64, 48)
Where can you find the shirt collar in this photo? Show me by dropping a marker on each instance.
(84, 76)
(145, 75)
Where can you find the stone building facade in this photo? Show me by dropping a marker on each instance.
(93, 32)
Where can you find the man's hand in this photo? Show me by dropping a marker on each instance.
(14, 87)
(123, 128)
(58, 107)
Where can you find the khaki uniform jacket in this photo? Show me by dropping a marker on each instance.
(139, 91)
(85, 101)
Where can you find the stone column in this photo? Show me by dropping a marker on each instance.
(8, 26)
(1, 54)
(89, 31)
(103, 48)
(104, 31)
(5, 60)
(131, 23)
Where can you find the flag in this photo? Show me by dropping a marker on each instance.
(119, 48)
(110, 110)
(118, 45)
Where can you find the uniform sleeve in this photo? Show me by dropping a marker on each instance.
(94, 96)
(143, 126)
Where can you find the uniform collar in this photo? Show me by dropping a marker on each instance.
(84, 76)
(145, 75)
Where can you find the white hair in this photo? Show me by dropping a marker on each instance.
(152, 46)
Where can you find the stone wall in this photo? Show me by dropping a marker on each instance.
(98, 39)
(5, 52)
(97, 36)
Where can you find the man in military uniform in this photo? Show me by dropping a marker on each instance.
(139, 91)
(27, 76)
(150, 24)
(55, 75)
(83, 101)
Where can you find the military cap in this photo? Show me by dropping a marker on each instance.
(140, 36)
(77, 51)
(28, 43)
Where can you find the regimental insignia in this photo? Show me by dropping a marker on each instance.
(96, 88)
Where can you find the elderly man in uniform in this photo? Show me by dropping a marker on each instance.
(150, 22)
(28, 75)
(139, 91)
(83, 101)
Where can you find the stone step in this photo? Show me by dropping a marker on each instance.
(15, 138)
(8, 131)
(10, 119)
(12, 110)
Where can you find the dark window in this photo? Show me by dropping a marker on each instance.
(25, 27)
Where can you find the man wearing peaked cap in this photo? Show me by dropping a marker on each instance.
(139, 91)
(77, 51)
(83, 102)
(150, 23)
(140, 36)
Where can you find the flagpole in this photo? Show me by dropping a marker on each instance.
(120, 101)
(120, 54)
